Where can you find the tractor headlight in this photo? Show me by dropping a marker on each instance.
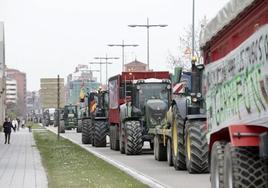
(194, 99)
(198, 95)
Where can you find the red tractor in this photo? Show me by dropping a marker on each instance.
(138, 101)
(235, 52)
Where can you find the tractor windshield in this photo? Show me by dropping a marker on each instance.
(147, 91)
(71, 110)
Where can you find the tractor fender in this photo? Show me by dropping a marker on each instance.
(181, 103)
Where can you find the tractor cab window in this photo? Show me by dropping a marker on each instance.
(71, 110)
(96, 99)
(149, 91)
(186, 82)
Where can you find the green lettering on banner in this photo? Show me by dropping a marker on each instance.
(238, 84)
(239, 95)
(247, 101)
(266, 47)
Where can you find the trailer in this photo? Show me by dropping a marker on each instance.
(135, 107)
(235, 52)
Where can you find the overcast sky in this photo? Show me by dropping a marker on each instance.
(45, 38)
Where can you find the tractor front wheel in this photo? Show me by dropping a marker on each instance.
(160, 151)
(86, 137)
(100, 131)
(196, 147)
(133, 138)
(79, 126)
(177, 134)
(169, 153)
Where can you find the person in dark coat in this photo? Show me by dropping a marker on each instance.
(7, 130)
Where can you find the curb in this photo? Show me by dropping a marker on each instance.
(151, 182)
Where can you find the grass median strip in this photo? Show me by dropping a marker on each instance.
(69, 165)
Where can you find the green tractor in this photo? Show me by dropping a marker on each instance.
(188, 144)
(95, 125)
(69, 118)
(146, 110)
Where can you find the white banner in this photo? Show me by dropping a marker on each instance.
(237, 85)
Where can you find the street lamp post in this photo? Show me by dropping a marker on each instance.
(123, 45)
(148, 26)
(193, 37)
(106, 62)
(99, 63)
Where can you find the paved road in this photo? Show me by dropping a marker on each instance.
(146, 165)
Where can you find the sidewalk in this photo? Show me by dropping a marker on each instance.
(20, 162)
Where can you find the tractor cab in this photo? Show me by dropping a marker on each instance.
(150, 100)
(190, 88)
(98, 103)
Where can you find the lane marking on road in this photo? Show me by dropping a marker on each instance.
(132, 172)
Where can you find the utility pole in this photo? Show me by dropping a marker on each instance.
(58, 106)
(123, 45)
(100, 63)
(193, 30)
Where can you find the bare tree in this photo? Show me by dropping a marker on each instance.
(185, 55)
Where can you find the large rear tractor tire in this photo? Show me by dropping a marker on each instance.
(79, 126)
(86, 136)
(133, 138)
(100, 132)
(243, 167)
(178, 149)
(216, 164)
(160, 151)
(196, 147)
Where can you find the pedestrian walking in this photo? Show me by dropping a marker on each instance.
(22, 123)
(7, 130)
(15, 124)
(18, 120)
